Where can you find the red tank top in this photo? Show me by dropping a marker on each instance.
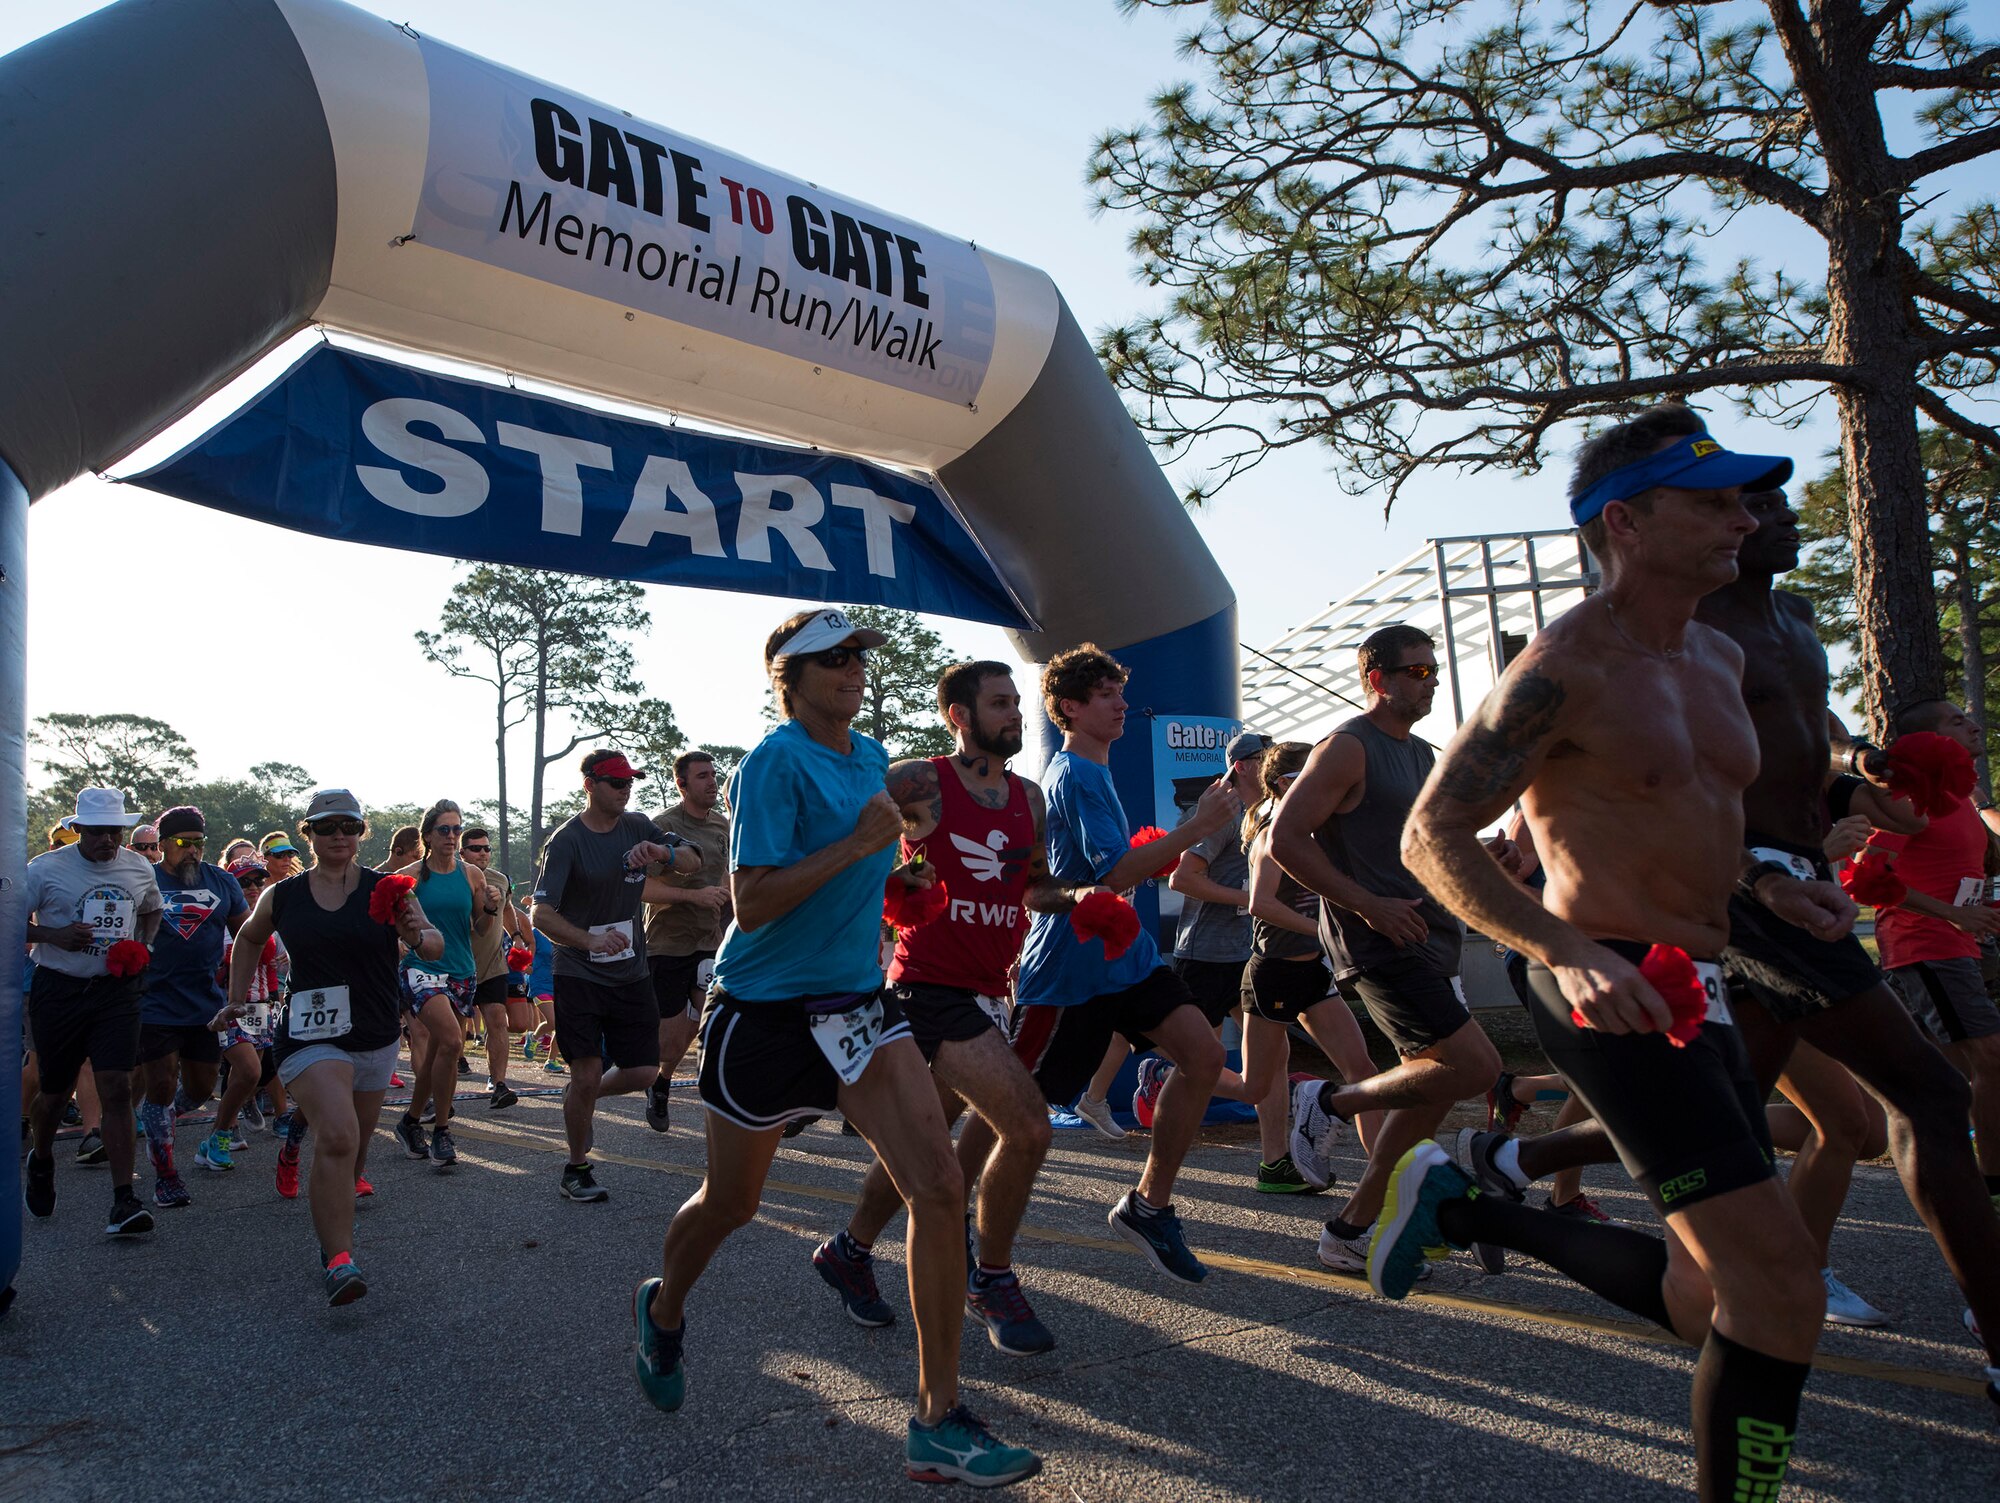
(981, 856)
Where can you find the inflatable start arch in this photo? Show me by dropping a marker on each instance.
(190, 184)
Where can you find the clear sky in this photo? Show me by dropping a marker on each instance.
(977, 119)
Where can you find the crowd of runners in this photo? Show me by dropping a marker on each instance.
(1647, 814)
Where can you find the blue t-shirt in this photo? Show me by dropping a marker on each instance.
(181, 989)
(1087, 836)
(790, 797)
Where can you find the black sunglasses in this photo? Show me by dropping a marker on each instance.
(476, 850)
(612, 782)
(1422, 672)
(118, 830)
(339, 827)
(145, 845)
(838, 657)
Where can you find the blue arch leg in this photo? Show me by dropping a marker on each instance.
(13, 845)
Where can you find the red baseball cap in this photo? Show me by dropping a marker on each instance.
(609, 765)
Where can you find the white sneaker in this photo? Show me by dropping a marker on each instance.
(1098, 1115)
(1341, 1255)
(1314, 1132)
(1846, 1308)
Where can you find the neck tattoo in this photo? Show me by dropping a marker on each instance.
(1669, 653)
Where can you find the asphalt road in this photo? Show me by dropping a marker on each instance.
(492, 1355)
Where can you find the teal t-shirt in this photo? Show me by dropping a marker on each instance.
(790, 797)
(446, 899)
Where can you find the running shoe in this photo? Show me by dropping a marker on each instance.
(1406, 1233)
(464, 1066)
(1097, 1113)
(1157, 1234)
(1846, 1308)
(796, 1126)
(396, 1081)
(528, 1049)
(170, 1194)
(416, 1142)
(958, 1448)
(251, 1116)
(444, 1153)
(288, 1169)
(1971, 1322)
(1011, 1326)
(554, 1066)
(657, 1356)
(1502, 1110)
(430, 1115)
(1283, 1178)
(656, 1106)
(92, 1150)
(1314, 1132)
(213, 1153)
(853, 1279)
(1153, 1075)
(39, 1186)
(72, 1113)
(344, 1283)
(237, 1142)
(1474, 1153)
(128, 1217)
(1343, 1254)
(578, 1183)
(362, 1189)
(500, 1096)
(1583, 1208)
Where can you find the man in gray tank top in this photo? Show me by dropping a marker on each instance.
(1339, 832)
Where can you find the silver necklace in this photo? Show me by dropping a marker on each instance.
(1669, 653)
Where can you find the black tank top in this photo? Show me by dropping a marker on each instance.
(342, 948)
(1273, 943)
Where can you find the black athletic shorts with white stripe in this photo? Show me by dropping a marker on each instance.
(760, 1067)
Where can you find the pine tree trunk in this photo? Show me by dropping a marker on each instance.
(1971, 649)
(500, 759)
(541, 741)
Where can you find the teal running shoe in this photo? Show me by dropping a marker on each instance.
(214, 1153)
(958, 1448)
(1406, 1233)
(662, 1376)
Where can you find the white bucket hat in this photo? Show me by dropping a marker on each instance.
(102, 807)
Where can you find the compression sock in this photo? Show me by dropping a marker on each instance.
(1746, 1413)
(1623, 1265)
(159, 1124)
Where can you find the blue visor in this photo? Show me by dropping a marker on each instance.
(1696, 463)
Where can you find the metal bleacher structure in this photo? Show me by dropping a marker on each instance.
(1480, 598)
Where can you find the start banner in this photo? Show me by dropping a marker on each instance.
(350, 446)
(554, 186)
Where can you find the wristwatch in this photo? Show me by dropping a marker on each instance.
(1747, 883)
(1854, 750)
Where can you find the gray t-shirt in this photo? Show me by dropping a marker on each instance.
(111, 896)
(585, 876)
(1218, 931)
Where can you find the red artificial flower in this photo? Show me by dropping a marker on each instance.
(1146, 835)
(127, 957)
(1672, 974)
(1871, 879)
(391, 892)
(520, 959)
(907, 907)
(1106, 916)
(1933, 772)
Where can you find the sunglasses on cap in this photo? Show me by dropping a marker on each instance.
(838, 657)
(613, 782)
(1423, 673)
(339, 827)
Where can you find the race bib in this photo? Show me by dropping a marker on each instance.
(1458, 991)
(1971, 891)
(996, 1008)
(324, 1013)
(425, 981)
(110, 920)
(1798, 866)
(624, 927)
(256, 1018)
(847, 1039)
(704, 976)
(1717, 991)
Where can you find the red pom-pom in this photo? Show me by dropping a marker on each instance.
(1671, 972)
(1146, 835)
(907, 907)
(390, 893)
(1106, 916)
(520, 959)
(1933, 772)
(127, 957)
(1871, 879)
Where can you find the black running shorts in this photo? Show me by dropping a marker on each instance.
(79, 1018)
(1416, 1005)
(1063, 1046)
(760, 1067)
(492, 992)
(195, 1043)
(1280, 991)
(1215, 985)
(1788, 971)
(676, 981)
(616, 1021)
(1687, 1123)
(945, 1014)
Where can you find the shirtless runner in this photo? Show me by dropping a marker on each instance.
(1623, 732)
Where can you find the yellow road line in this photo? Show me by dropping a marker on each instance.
(1631, 1330)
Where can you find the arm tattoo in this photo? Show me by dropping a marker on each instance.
(915, 782)
(1489, 761)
